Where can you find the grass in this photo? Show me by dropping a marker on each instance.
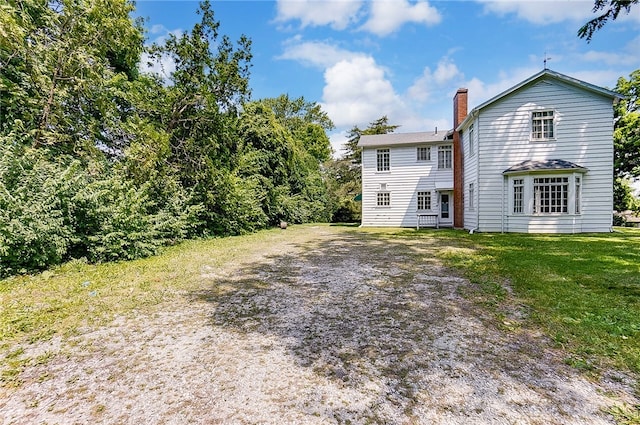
(582, 290)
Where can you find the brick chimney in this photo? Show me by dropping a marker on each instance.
(459, 114)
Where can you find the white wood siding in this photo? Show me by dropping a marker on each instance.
(405, 178)
(583, 135)
(470, 175)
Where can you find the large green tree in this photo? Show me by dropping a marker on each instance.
(306, 121)
(62, 65)
(198, 112)
(626, 141)
(281, 155)
(626, 135)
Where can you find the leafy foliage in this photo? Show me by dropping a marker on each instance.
(34, 229)
(102, 162)
(626, 142)
(611, 8)
(627, 126)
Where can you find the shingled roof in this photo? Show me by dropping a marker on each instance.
(548, 165)
(403, 138)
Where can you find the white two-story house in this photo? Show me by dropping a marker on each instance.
(536, 158)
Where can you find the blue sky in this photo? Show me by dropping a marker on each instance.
(405, 59)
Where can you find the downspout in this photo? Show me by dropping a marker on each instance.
(502, 206)
(478, 172)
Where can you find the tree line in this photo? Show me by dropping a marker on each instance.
(101, 162)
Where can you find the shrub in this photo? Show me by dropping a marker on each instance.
(34, 228)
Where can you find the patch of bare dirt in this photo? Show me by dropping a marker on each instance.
(341, 328)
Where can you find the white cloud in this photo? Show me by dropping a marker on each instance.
(357, 92)
(444, 75)
(339, 14)
(316, 53)
(338, 141)
(165, 65)
(630, 55)
(602, 78)
(387, 16)
(480, 91)
(542, 12)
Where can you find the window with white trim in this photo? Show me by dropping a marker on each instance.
(542, 125)
(383, 159)
(551, 195)
(472, 196)
(518, 196)
(423, 153)
(471, 141)
(384, 199)
(444, 157)
(424, 201)
(578, 189)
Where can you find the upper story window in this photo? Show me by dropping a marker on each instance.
(471, 141)
(542, 125)
(423, 153)
(383, 159)
(444, 157)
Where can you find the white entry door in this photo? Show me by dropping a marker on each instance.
(446, 208)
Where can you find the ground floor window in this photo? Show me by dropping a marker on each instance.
(578, 190)
(548, 194)
(424, 201)
(384, 199)
(472, 196)
(518, 196)
(551, 195)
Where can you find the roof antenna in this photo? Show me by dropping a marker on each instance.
(546, 58)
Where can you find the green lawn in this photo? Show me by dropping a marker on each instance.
(583, 290)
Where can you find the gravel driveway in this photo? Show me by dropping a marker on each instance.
(334, 327)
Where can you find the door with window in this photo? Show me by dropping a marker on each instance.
(446, 208)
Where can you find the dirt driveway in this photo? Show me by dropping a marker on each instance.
(334, 327)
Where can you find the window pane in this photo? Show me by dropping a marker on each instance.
(383, 159)
(551, 195)
(542, 125)
(424, 200)
(384, 199)
(444, 156)
(518, 192)
(423, 154)
(578, 189)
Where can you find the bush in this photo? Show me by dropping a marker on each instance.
(347, 211)
(34, 228)
(55, 210)
(619, 220)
